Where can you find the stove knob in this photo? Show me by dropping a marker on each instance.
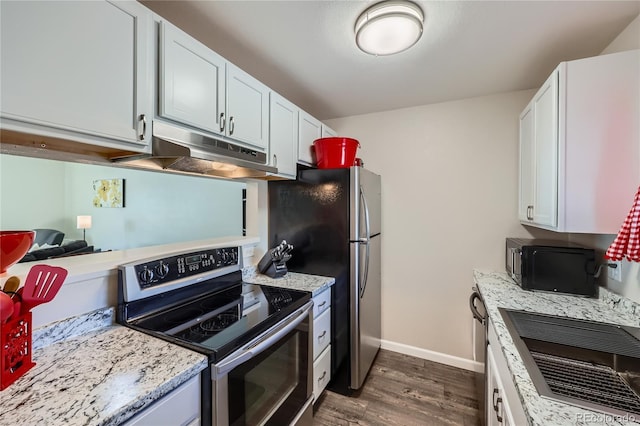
(162, 269)
(146, 275)
(234, 256)
(225, 257)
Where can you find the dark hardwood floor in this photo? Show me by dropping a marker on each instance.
(402, 390)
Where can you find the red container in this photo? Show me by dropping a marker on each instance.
(13, 246)
(15, 349)
(335, 153)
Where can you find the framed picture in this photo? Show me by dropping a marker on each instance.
(108, 193)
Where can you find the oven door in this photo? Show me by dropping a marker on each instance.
(269, 380)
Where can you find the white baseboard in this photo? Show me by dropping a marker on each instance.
(451, 360)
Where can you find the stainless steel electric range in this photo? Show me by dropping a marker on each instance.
(257, 338)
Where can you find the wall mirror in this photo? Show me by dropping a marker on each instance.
(156, 208)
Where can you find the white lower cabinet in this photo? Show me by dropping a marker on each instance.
(180, 407)
(503, 403)
(321, 342)
(321, 373)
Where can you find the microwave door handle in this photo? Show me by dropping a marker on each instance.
(513, 263)
(263, 343)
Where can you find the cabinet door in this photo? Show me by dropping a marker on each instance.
(527, 177)
(283, 138)
(545, 119)
(328, 132)
(247, 108)
(310, 130)
(78, 66)
(192, 79)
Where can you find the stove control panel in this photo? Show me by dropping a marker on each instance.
(168, 269)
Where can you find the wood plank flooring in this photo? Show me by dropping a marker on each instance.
(402, 391)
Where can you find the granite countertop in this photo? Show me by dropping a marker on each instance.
(499, 290)
(91, 372)
(315, 284)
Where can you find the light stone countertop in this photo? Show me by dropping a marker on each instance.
(315, 284)
(499, 290)
(91, 372)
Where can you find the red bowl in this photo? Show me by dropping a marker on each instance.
(13, 246)
(335, 152)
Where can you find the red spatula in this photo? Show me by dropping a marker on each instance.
(41, 285)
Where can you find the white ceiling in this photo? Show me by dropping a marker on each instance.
(305, 50)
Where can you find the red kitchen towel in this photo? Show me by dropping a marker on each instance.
(627, 243)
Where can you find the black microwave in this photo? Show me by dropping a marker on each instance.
(555, 266)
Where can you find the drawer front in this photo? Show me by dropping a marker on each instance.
(321, 373)
(321, 333)
(180, 407)
(321, 302)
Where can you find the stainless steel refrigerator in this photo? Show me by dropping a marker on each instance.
(332, 217)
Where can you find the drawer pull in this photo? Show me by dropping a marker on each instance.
(324, 333)
(324, 302)
(321, 378)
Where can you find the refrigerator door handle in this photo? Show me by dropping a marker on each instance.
(366, 241)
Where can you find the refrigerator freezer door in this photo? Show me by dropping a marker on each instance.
(364, 184)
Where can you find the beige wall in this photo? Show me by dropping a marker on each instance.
(628, 39)
(449, 187)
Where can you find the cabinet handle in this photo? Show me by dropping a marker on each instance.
(324, 333)
(222, 121)
(499, 405)
(530, 212)
(231, 125)
(322, 304)
(321, 378)
(143, 118)
(493, 399)
(275, 160)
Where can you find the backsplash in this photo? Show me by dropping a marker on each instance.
(630, 285)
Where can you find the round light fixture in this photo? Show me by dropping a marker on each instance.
(389, 27)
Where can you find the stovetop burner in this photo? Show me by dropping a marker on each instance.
(207, 328)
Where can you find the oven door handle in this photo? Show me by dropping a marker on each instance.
(263, 342)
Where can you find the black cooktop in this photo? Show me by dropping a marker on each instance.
(218, 323)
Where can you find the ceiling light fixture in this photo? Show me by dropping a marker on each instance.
(389, 27)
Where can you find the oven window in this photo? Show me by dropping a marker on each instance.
(271, 387)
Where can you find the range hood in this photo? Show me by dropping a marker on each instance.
(180, 150)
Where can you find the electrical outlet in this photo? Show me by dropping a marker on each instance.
(616, 273)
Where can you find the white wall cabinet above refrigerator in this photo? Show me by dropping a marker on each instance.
(78, 70)
(283, 136)
(580, 146)
(201, 89)
(310, 130)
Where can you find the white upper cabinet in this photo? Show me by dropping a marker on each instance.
(328, 132)
(310, 129)
(247, 108)
(201, 89)
(539, 156)
(283, 136)
(78, 69)
(192, 81)
(580, 146)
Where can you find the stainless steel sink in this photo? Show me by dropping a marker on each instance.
(590, 364)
